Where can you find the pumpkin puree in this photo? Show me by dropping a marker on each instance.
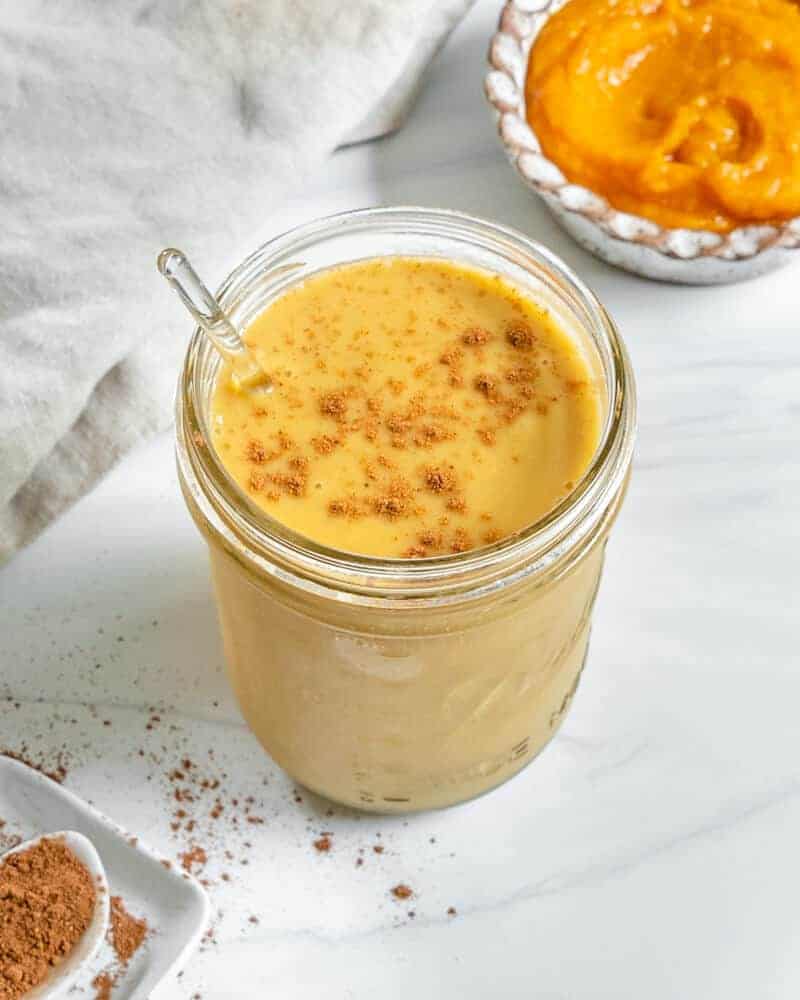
(686, 112)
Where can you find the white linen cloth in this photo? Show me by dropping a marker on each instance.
(129, 126)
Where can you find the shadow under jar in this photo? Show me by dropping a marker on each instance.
(394, 685)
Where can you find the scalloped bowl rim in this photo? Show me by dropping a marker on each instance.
(519, 25)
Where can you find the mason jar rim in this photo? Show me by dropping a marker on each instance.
(267, 547)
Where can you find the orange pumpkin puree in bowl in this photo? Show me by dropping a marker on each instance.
(686, 112)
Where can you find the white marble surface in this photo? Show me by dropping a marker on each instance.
(652, 850)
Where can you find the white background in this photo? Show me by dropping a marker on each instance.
(651, 852)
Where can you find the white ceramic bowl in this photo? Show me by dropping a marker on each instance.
(62, 976)
(690, 256)
(172, 902)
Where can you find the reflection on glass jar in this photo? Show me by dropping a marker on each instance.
(390, 684)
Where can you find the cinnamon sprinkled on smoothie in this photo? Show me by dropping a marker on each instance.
(348, 507)
(451, 356)
(294, 485)
(430, 434)
(257, 481)
(256, 452)
(522, 374)
(395, 501)
(334, 404)
(325, 443)
(361, 375)
(520, 336)
(390, 506)
(439, 479)
(430, 538)
(486, 384)
(475, 336)
(461, 541)
(398, 423)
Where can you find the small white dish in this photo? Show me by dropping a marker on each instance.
(688, 256)
(64, 975)
(173, 903)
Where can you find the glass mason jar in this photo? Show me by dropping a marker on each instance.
(394, 685)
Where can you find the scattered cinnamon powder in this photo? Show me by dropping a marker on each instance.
(450, 357)
(126, 931)
(126, 935)
(477, 335)
(398, 423)
(256, 452)
(461, 541)
(193, 859)
(430, 434)
(56, 771)
(285, 441)
(439, 479)
(430, 539)
(103, 984)
(293, 484)
(323, 843)
(325, 443)
(348, 507)
(478, 392)
(47, 900)
(396, 501)
(520, 336)
(257, 481)
(334, 404)
(390, 506)
(515, 375)
(487, 385)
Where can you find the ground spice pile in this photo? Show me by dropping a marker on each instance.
(127, 932)
(126, 935)
(47, 900)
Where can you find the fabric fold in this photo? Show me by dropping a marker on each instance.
(134, 126)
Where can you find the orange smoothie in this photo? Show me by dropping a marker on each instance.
(416, 408)
(407, 521)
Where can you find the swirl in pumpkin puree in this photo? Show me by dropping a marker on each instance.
(686, 112)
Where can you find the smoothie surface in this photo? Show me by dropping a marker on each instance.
(418, 407)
